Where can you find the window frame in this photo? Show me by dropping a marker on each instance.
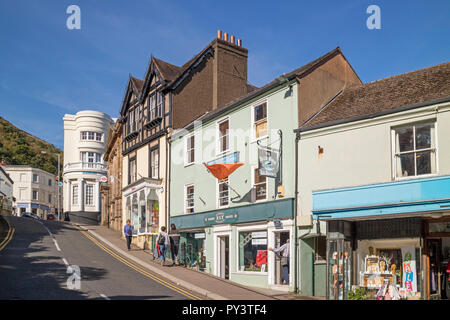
(37, 178)
(37, 194)
(186, 207)
(218, 136)
(253, 176)
(250, 229)
(151, 162)
(218, 197)
(89, 196)
(130, 160)
(395, 154)
(186, 150)
(253, 123)
(75, 194)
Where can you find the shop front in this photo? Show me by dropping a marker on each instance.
(232, 243)
(142, 209)
(385, 240)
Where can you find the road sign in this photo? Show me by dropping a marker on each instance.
(104, 179)
(60, 184)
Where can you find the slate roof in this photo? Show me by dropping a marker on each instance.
(391, 94)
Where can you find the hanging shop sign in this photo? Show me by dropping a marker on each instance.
(268, 162)
(409, 268)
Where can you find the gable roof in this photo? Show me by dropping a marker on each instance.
(134, 85)
(254, 91)
(138, 84)
(388, 95)
(167, 71)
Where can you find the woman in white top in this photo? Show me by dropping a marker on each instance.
(163, 240)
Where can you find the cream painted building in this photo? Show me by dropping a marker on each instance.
(35, 190)
(84, 147)
(374, 175)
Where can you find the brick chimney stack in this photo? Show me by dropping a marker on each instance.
(230, 69)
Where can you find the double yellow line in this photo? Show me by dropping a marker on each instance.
(9, 236)
(139, 269)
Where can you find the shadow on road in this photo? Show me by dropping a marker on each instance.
(29, 269)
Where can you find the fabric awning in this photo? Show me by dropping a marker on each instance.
(223, 170)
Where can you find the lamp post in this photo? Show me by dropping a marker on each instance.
(59, 162)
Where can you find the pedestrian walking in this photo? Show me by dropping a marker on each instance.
(284, 259)
(174, 243)
(128, 231)
(163, 241)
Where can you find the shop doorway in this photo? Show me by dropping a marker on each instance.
(280, 239)
(224, 256)
(438, 265)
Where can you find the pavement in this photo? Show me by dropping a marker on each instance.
(207, 285)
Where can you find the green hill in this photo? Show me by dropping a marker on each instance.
(21, 148)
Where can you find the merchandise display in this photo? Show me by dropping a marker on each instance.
(376, 272)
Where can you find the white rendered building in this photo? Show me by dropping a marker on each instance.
(84, 147)
(6, 193)
(34, 190)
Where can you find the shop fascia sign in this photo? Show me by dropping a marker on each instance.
(221, 217)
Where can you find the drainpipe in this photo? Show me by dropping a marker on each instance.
(297, 139)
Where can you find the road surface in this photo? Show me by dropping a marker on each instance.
(56, 260)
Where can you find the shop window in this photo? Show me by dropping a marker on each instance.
(415, 150)
(223, 194)
(142, 213)
(128, 209)
(260, 121)
(189, 199)
(135, 213)
(253, 251)
(153, 213)
(320, 249)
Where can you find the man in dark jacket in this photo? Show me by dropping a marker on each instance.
(128, 231)
(174, 243)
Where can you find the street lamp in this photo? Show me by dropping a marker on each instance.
(59, 161)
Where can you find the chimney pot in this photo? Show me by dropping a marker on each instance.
(239, 42)
(225, 36)
(219, 34)
(232, 39)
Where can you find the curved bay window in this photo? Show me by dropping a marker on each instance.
(143, 211)
(152, 212)
(135, 214)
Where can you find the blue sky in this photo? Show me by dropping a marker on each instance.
(48, 70)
